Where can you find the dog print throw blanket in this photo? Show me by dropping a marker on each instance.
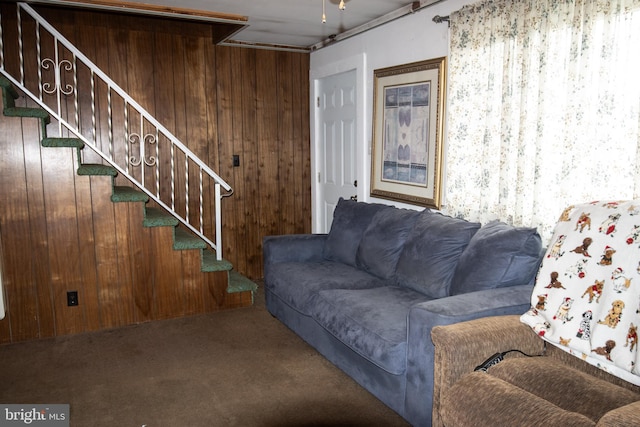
(586, 299)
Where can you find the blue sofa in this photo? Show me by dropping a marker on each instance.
(367, 294)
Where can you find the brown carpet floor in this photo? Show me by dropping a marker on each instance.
(234, 368)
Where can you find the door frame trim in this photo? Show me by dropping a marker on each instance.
(359, 64)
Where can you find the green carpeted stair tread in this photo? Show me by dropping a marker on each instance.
(63, 142)
(9, 109)
(239, 283)
(36, 113)
(156, 217)
(183, 239)
(210, 262)
(123, 193)
(97, 169)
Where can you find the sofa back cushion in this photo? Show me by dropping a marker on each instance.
(431, 252)
(350, 220)
(498, 255)
(383, 240)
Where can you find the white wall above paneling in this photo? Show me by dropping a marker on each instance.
(411, 38)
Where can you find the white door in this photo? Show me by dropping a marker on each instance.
(336, 127)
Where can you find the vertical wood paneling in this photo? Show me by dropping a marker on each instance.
(195, 113)
(86, 243)
(61, 232)
(140, 57)
(39, 247)
(238, 104)
(249, 166)
(163, 89)
(21, 295)
(117, 69)
(84, 204)
(86, 39)
(286, 165)
(193, 283)
(211, 102)
(106, 254)
(168, 266)
(62, 235)
(116, 291)
(226, 140)
(215, 291)
(268, 147)
(125, 253)
(34, 175)
(5, 329)
(178, 121)
(141, 264)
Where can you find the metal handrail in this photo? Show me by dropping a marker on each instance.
(140, 129)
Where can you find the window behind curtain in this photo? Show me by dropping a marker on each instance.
(544, 108)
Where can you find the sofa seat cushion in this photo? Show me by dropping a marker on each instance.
(482, 400)
(297, 283)
(372, 322)
(564, 386)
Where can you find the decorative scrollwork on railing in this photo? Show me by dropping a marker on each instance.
(149, 139)
(64, 65)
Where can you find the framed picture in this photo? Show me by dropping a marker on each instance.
(408, 123)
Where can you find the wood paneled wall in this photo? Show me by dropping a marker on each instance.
(61, 232)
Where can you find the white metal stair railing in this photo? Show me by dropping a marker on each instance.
(112, 123)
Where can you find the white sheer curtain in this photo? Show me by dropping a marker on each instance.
(544, 108)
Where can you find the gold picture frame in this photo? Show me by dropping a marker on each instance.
(408, 126)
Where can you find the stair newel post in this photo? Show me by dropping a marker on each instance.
(218, 222)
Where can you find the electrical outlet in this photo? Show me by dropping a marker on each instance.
(72, 298)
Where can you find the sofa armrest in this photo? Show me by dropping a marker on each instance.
(445, 311)
(460, 347)
(293, 248)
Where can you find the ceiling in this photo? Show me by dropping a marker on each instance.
(285, 24)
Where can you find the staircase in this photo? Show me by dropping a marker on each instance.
(136, 141)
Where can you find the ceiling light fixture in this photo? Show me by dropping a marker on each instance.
(324, 15)
(341, 6)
